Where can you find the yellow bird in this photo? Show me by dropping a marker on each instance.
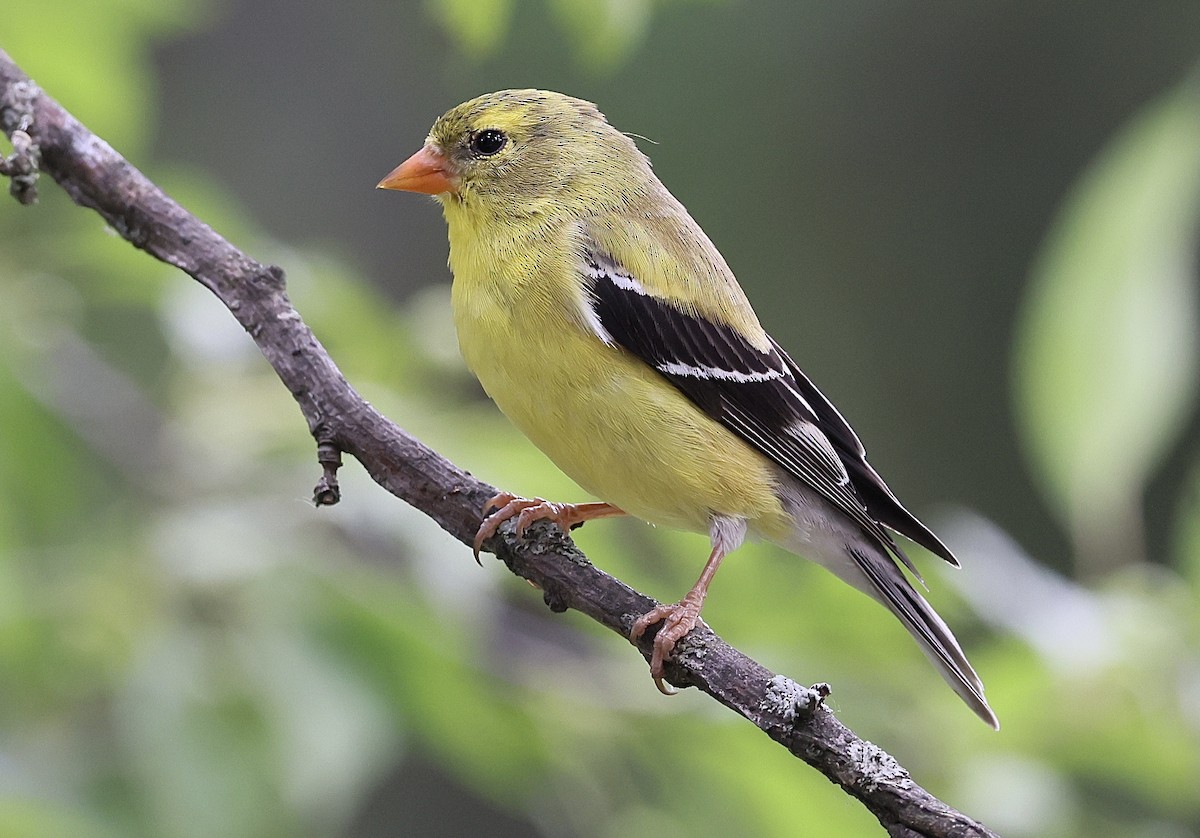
(607, 327)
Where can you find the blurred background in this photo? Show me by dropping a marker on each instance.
(974, 225)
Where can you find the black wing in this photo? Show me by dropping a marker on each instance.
(882, 505)
(763, 397)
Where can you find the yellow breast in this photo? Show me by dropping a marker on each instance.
(606, 419)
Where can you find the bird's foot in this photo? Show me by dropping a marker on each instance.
(528, 510)
(677, 619)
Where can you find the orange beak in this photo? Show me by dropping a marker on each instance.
(424, 172)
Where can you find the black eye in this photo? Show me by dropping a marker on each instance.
(487, 142)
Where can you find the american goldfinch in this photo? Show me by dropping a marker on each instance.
(606, 326)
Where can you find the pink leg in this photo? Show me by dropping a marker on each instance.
(677, 619)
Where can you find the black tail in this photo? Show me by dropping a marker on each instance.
(935, 638)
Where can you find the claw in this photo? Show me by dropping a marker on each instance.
(497, 501)
(529, 510)
(543, 510)
(677, 619)
(491, 523)
(507, 506)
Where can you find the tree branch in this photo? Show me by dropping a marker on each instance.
(339, 419)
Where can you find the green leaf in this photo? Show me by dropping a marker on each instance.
(478, 26)
(1106, 351)
(605, 30)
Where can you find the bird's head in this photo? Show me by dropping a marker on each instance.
(522, 152)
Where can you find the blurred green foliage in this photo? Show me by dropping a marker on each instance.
(1107, 358)
(602, 32)
(188, 648)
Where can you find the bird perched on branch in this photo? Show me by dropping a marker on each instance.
(606, 326)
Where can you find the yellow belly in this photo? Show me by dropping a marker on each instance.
(610, 422)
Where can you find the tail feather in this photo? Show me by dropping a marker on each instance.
(821, 533)
(889, 586)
